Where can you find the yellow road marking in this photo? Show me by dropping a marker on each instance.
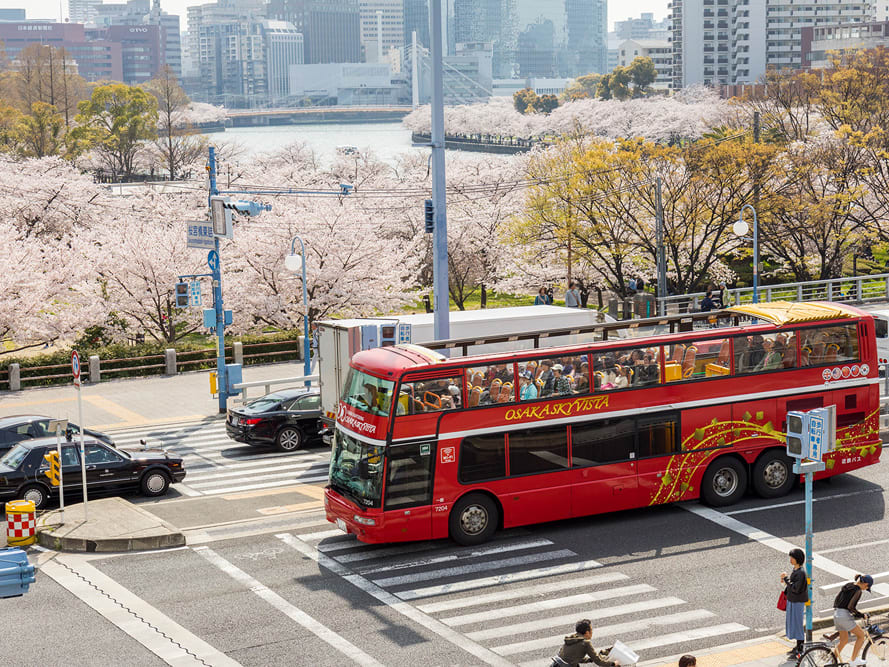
(304, 489)
(738, 656)
(12, 403)
(129, 417)
(283, 509)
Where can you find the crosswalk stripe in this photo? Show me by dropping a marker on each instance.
(222, 477)
(567, 620)
(373, 554)
(239, 457)
(496, 580)
(473, 568)
(552, 603)
(323, 534)
(526, 591)
(613, 630)
(484, 551)
(266, 485)
(249, 466)
(687, 635)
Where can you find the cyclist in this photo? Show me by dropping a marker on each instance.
(846, 611)
(579, 649)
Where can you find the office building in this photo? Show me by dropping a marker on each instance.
(489, 21)
(330, 28)
(141, 49)
(283, 48)
(382, 28)
(659, 51)
(345, 83)
(416, 19)
(819, 42)
(880, 10)
(82, 11)
(146, 13)
(97, 60)
(12, 15)
(587, 35)
(644, 27)
(537, 51)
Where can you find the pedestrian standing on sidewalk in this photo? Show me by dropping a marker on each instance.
(572, 296)
(688, 661)
(797, 594)
(541, 299)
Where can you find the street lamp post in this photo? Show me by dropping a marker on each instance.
(290, 263)
(741, 228)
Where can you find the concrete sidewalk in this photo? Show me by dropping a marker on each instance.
(134, 402)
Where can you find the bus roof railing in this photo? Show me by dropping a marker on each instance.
(676, 324)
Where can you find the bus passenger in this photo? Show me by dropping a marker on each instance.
(622, 379)
(742, 354)
(757, 352)
(528, 391)
(581, 384)
(547, 376)
(561, 384)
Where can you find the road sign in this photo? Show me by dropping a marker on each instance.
(816, 436)
(200, 234)
(195, 299)
(75, 368)
(213, 260)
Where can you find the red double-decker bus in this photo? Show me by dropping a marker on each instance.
(427, 447)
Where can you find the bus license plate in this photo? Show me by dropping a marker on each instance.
(342, 525)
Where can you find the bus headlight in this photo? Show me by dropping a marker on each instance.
(364, 521)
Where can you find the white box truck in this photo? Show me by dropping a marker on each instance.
(338, 340)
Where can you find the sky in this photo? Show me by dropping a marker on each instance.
(49, 9)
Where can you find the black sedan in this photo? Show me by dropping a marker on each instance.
(18, 428)
(287, 419)
(107, 469)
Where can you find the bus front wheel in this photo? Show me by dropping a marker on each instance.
(724, 482)
(473, 519)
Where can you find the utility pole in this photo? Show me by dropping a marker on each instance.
(755, 141)
(440, 235)
(215, 267)
(661, 252)
(415, 84)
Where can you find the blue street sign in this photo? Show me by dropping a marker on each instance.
(816, 436)
(213, 260)
(200, 235)
(194, 294)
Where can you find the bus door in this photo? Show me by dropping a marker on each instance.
(603, 461)
(408, 491)
(661, 470)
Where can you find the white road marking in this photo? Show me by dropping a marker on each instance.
(790, 503)
(776, 543)
(291, 474)
(135, 628)
(567, 620)
(266, 485)
(370, 553)
(498, 580)
(686, 636)
(267, 468)
(613, 630)
(551, 603)
(335, 640)
(527, 591)
(462, 555)
(321, 534)
(403, 608)
(847, 547)
(473, 568)
(843, 583)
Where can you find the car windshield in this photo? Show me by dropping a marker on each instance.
(368, 393)
(356, 470)
(267, 402)
(14, 457)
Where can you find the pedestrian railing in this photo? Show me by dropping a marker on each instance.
(268, 384)
(855, 289)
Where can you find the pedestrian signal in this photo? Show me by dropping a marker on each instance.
(54, 472)
(797, 433)
(429, 216)
(182, 295)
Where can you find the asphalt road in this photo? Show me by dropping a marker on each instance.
(664, 580)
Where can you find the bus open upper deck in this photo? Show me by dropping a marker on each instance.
(427, 446)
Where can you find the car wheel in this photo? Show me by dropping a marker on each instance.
(724, 482)
(773, 475)
(36, 494)
(289, 439)
(473, 519)
(155, 483)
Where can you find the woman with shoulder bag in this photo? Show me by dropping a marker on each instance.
(796, 591)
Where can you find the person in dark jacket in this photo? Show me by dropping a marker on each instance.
(845, 611)
(579, 649)
(707, 303)
(797, 592)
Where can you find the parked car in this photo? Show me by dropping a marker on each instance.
(107, 469)
(287, 419)
(18, 428)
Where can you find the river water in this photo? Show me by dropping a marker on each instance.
(386, 140)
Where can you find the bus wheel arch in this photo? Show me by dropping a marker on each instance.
(724, 481)
(772, 474)
(474, 518)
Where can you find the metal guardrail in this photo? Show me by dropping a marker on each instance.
(268, 384)
(854, 289)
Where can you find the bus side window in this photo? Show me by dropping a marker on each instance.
(482, 457)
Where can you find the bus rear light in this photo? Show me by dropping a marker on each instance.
(364, 521)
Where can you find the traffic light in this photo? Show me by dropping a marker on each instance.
(54, 472)
(182, 295)
(797, 434)
(430, 216)
(16, 573)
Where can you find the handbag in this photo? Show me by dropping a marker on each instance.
(782, 602)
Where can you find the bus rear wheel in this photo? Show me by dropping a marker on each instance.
(724, 482)
(773, 475)
(473, 519)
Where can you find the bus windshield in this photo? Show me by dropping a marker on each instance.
(368, 393)
(356, 470)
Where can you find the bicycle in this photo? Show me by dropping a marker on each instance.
(875, 651)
